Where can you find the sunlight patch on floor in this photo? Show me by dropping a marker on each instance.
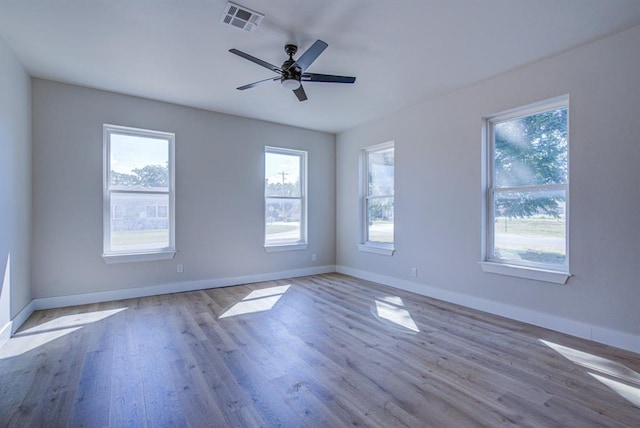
(257, 301)
(594, 362)
(628, 392)
(34, 337)
(391, 308)
(5, 300)
(617, 377)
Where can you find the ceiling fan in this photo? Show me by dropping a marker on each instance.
(293, 72)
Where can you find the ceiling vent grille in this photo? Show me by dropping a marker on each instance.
(241, 17)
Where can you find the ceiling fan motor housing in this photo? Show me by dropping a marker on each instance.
(290, 49)
(290, 78)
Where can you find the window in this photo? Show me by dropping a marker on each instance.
(527, 188)
(285, 199)
(138, 194)
(152, 211)
(116, 212)
(163, 211)
(377, 199)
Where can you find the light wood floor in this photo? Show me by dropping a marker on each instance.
(331, 351)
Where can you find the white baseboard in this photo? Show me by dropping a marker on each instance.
(595, 333)
(155, 290)
(175, 287)
(22, 316)
(5, 333)
(616, 338)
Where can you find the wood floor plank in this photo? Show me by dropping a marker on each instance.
(323, 350)
(127, 394)
(271, 408)
(235, 403)
(197, 399)
(54, 411)
(91, 406)
(161, 403)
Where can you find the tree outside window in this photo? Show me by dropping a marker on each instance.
(528, 185)
(379, 195)
(139, 191)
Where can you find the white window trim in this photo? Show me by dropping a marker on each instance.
(488, 264)
(544, 275)
(284, 247)
(381, 248)
(302, 244)
(143, 255)
(138, 257)
(377, 248)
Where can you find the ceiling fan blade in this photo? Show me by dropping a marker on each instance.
(310, 55)
(315, 77)
(300, 93)
(256, 60)
(260, 82)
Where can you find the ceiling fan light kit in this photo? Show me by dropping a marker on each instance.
(291, 84)
(293, 72)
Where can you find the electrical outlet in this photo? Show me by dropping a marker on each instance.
(313, 257)
(414, 271)
(180, 268)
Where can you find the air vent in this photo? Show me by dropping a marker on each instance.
(241, 17)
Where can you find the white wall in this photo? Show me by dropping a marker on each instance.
(15, 187)
(438, 204)
(219, 192)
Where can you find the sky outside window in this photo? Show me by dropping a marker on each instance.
(129, 152)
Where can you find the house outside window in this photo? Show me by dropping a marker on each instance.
(116, 212)
(138, 182)
(377, 199)
(285, 199)
(527, 188)
(152, 211)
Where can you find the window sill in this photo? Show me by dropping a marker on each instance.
(385, 250)
(544, 275)
(284, 247)
(138, 257)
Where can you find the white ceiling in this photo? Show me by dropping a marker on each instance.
(402, 52)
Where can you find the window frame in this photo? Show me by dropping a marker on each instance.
(375, 247)
(288, 245)
(166, 253)
(531, 270)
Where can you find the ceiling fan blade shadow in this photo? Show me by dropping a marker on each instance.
(315, 77)
(256, 60)
(300, 93)
(260, 82)
(310, 55)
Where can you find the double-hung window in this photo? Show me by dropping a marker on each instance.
(377, 199)
(285, 189)
(138, 214)
(527, 191)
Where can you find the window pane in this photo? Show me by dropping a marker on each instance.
(116, 211)
(530, 227)
(282, 175)
(138, 163)
(139, 228)
(531, 150)
(163, 211)
(380, 167)
(152, 211)
(380, 220)
(282, 220)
